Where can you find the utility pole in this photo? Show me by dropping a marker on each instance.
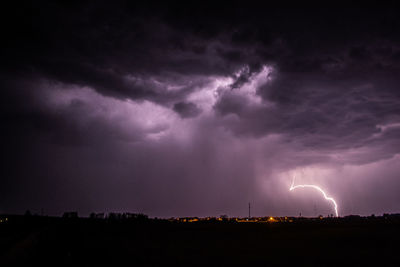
(249, 210)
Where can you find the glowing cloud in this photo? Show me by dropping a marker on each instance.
(292, 187)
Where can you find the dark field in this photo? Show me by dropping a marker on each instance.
(84, 242)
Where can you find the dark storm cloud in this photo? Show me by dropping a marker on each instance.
(320, 112)
(187, 110)
(95, 45)
(97, 95)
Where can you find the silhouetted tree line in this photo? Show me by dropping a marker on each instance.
(140, 217)
(112, 216)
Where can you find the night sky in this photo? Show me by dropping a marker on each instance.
(197, 110)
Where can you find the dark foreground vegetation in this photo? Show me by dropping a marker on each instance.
(139, 241)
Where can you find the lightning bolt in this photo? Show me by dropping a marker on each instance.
(292, 187)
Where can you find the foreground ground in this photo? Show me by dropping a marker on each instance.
(84, 242)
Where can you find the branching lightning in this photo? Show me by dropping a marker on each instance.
(292, 187)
